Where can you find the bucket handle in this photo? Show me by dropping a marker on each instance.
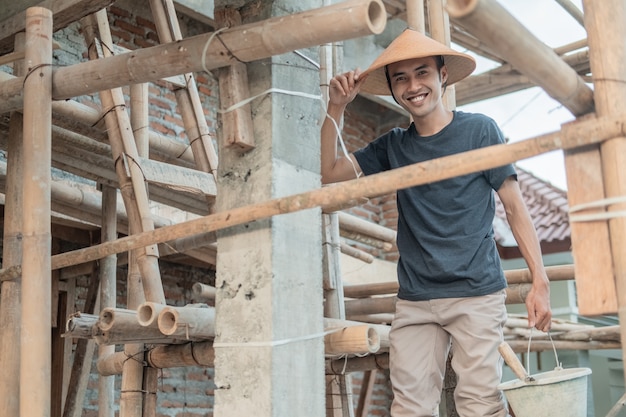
(556, 356)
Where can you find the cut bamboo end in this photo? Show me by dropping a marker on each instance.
(111, 317)
(352, 340)
(203, 291)
(189, 322)
(148, 313)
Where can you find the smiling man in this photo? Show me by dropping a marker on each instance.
(451, 284)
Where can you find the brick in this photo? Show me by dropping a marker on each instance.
(129, 27)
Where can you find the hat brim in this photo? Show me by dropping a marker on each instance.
(412, 44)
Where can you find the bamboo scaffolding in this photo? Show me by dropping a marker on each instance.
(532, 57)
(572, 136)
(126, 158)
(165, 356)
(605, 33)
(250, 42)
(187, 97)
(108, 294)
(10, 308)
(120, 326)
(191, 322)
(35, 336)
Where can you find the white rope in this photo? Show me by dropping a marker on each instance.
(280, 342)
(604, 215)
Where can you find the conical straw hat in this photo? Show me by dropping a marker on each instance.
(413, 44)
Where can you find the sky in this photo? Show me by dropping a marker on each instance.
(532, 112)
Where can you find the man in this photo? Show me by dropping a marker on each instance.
(451, 284)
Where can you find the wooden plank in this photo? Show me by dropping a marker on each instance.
(178, 178)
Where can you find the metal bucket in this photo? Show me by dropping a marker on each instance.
(558, 393)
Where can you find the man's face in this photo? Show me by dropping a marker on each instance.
(417, 84)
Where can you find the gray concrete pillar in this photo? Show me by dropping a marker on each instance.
(269, 349)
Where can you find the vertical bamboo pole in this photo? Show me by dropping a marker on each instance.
(108, 291)
(131, 392)
(415, 15)
(607, 52)
(35, 338)
(439, 25)
(139, 120)
(12, 255)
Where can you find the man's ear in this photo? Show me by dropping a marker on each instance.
(443, 74)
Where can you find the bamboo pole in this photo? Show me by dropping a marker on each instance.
(351, 223)
(382, 330)
(148, 314)
(119, 326)
(606, 36)
(353, 340)
(187, 98)
(165, 356)
(415, 15)
(530, 56)
(196, 321)
(126, 158)
(35, 337)
(574, 135)
(81, 325)
(250, 42)
(108, 294)
(203, 291)
(10, 291)
(131, 398)
(357, 364)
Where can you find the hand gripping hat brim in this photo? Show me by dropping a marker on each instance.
(409, 45)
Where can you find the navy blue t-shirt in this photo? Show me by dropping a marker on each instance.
(445, 229)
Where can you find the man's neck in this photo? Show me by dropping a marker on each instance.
(434, 122)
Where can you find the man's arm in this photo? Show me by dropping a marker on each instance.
(336, 167)
(538, 299)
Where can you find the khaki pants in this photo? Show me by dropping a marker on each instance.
(421, 335)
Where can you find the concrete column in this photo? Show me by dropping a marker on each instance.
(269, 352)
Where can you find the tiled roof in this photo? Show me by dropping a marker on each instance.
(548, 208)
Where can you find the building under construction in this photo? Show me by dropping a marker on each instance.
(167, 246)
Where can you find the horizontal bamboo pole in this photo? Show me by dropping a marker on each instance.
(203, 291)
(121, 326)
(353, 340)
(573, 135)
(382, 330)
(356, 253)
(196, 321)
(521, 346)
(164, 356)
(367, 240)
(80, 326)
(513, 276)
(244, 43)
(358, 364)
(533, 58)
(356, 224)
